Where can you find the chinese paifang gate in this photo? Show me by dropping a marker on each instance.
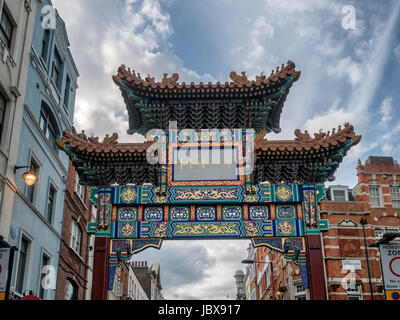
(140, 204)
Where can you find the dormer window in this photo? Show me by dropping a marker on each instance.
(339, 195)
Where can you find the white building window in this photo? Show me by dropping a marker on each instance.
(375, 195)
(395, 194)
(22, 264)
(299, 291)
(79, 189)
(76, 237)
(339, 195)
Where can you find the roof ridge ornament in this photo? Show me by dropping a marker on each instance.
(303, 137)
(239, 79)
(170, 81)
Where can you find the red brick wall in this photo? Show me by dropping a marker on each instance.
(71, 265)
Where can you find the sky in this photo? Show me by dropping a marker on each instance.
(349, 73)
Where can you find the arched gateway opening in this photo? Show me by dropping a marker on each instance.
(206, 171)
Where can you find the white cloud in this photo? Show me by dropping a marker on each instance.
(105, 34)
(386, 111)
(347, 68)
(296, 6)
(334, 117)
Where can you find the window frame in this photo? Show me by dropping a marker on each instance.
(54, 189)
(75, 288)
(32, 197)
(379, 196)
(48, 126)
(8, 40)
(57, 65)
(74, 232)
(45, 46)
(79, 189)
(67, 91)
(395, 198)
(41, 290)
(27, 267)
(335, 196)
(3, 117)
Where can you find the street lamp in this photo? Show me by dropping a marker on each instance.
(363, 222)
(30, 176)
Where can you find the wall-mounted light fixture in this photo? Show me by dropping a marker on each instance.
(30, 176)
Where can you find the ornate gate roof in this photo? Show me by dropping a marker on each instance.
(303, 159)
(241, 103)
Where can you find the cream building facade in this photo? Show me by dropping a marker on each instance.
(16, 30)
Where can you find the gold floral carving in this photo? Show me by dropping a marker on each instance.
(283, 193)
(161, 229)
(206, 194)
(127, 229)
(250, 228)
(204, 229)
(285, 227)
(250, 198)
(128, 195)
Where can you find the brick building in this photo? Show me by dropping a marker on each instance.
(375, 200)
(273, 277)
(75, 251)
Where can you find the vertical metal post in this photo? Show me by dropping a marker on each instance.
(363, 223)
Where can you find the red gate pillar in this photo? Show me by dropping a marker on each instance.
(100, 268)
(315, 267)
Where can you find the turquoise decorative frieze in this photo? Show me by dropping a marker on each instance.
(173, 229)
(207, 135)
(205, 194)
(130, 195)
